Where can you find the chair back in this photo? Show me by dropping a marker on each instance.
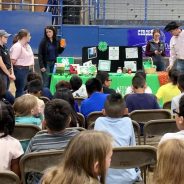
(143, 116)
(25, 131)
(137, 131)
(44, 98)
(9, 177)
(81, 120)
(93, 116)
(155, 129)
(39, 161)
(167, 105)
(79, 100)
(134, 157)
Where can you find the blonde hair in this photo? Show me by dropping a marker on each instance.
(81, 154)
(170, 165)
(24, 104)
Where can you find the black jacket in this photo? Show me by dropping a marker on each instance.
(43, 52)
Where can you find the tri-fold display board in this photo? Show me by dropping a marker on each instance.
(114, 57)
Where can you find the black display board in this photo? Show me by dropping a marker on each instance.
(114, 63)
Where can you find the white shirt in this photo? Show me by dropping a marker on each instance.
(175, 101)
(10, 149)
(176, 48)
(129, 90)
(177, 135)
(81, 92)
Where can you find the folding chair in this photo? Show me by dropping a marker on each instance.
(137, 131)
(38, 162)
(9, 177)
(133, 157)
(143, 116)
(45, 99)
(25, 131)
(81, 119)
(79, 100)
(155, 129)
(167, 105)
(92, 117)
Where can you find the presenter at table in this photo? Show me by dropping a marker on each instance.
(176, 59)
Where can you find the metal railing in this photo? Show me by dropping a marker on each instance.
(105, 12)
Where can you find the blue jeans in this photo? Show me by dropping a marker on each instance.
(6, 80)
(179, 65)
(47, 74)
(21, 77)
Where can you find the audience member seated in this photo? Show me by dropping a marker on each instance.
(34, 88)
(166, 92)
(123, 135)
(5, 94)
(45, 91)
(179, 117)
(142, 73)
(106, 82)
(140, 100)
(63, 84)
(78, 89)
(86, 160)
(170, 158)
(66, 94)
(96, 99)
(26, 110)
(57, 115)
(11, 149)
(176, 99)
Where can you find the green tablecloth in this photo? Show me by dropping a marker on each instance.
(119, 81)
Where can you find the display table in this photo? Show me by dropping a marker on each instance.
(119, 81)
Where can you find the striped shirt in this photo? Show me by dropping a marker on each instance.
(44, 141)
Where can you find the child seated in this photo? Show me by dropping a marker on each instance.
(141, 73)
(26, 110)
(140, 100)
(179, 117)
(34, 88)
(169, 169)
(121, 129)
(166, 92)
(11, 149)
(57, 115)
(86, 159)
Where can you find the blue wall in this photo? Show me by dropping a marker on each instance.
(77, 36)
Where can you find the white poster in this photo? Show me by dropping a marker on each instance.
(131, 52)
(113, 53)
(131, 65)
(104, 65)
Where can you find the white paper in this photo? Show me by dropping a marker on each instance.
(104, 65)
(131, 52)
(113, 53)
(88, 63)
(131, 65)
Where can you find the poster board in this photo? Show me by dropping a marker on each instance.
(118, 55)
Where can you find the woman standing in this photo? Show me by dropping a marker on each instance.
(22, 58)
(49, 49)
(6, 71)
(156, 49)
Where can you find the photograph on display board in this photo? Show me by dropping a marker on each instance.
(92, 52)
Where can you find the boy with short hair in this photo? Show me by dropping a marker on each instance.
(57, 117)
(140, 100)
(96, 97)
(121, 128)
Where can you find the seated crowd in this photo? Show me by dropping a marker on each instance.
(87, 154)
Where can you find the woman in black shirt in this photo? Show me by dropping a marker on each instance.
(49, 49)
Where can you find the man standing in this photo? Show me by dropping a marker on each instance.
(176, 59)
